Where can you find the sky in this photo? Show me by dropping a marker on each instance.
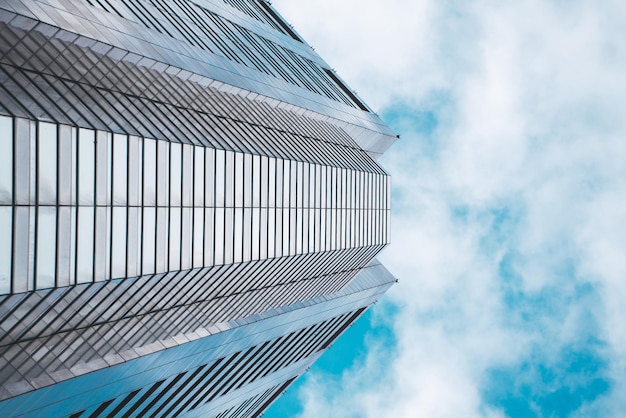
(509, 209)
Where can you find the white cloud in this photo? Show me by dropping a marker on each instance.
(528, 163)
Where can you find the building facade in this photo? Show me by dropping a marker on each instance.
(190, 207)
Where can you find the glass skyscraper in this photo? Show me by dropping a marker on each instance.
(190, 207)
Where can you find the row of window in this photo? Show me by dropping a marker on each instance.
(109, 89)
(197, 26)
(194, 388)
(115, 321)
(177, 303)
(57, 164)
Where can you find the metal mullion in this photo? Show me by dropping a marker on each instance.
(219, 375)
(140, 8)
(187, 381)
(173, 20)
(9, 101)
(25, 91)
(218, 39)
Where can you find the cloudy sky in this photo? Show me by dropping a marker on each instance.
(509, 222)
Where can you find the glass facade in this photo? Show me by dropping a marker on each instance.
(190, 207)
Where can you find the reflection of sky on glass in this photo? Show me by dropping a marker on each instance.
(509, 209)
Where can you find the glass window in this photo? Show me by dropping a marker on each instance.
(298, 236)
(149, 172)
(247, 234)
(247, 180)
(84, 270)
(133, 253)
(186, 237)
(229, 192)
(270, 200)
(265, 180)
(256, 181)
(163, 171)
(86, 162)
(209, 198)
(67, 165)
(239, 180)
(255, 233)
(198, 178)
(161, 240)
(305, 230)
(264, 234)
(219, 236)
(272, 227)
(198, 237)
(148, 244)
(66, 241)
(135, 170)
(102, 259)
(293, 225)
(46, 246)
(120, 147)
(187, 168)
(6, 165)
(47, 171)
(23, 249)
(293, 179)
(209, 236)
(288, 186)
(287, 226)
(22, 168)
(229, 226)
(280, 181)
(220, 172)
(175, 219)
(238, 236)
(103, 168)
(6, 224)
(176, 173)
(119, 243)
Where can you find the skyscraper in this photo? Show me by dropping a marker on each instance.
(190, 207)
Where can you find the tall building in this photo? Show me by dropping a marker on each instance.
(190, 207)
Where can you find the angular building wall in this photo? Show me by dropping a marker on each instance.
(190, 207)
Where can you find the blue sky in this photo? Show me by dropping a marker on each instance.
(509, 209)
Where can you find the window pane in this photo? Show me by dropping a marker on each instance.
(198, 237)
(209, 198)
(238, 237)
(229, 191)
(67, 165)
(103, 168)
(209, 236)
(46, 247)
(187, 175)
(219, 236)
(86, 163)
(175, 218)
(102, 262)
(66, 256)
(186, 239)
(23, 232)
(163, 173)
(198, 177)
(22, 168)
(133, 252)
(176, 174)
(120, 155)
(162, 240)
(149, 172)
(148, 240)
(6, 164)
(134, 170)
(6, 223)
(84, 271)
(47, 172)
(119, 243)
(220, 171)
